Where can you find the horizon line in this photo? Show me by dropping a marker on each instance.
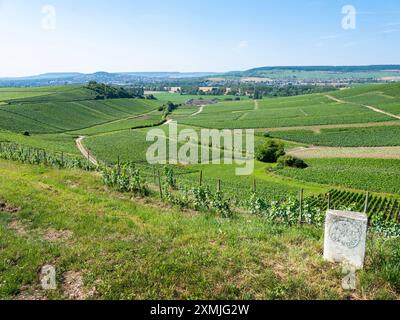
(186, 72)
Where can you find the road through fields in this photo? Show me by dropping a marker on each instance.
(86, 153)
(366, 106)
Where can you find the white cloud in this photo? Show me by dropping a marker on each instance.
(390, 31)
(330, 37)
(242, 44)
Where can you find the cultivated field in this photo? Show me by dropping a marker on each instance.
(55, 116)
(310, 110)
(345, 137)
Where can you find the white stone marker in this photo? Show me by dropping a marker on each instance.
(345, 237)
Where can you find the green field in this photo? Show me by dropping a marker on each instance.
(56, 116)
(182, 98)
(52, 117)
(385, 97)
(379, 175)
(10, 94)
(345, 137)
(52, 142)
(388, 208)
(308, 110)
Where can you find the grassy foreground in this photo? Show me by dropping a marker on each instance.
(106, 245)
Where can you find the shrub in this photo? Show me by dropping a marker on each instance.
(205, 200)
(293, 162)
(258, 205)
(270, 151)
(125, 178)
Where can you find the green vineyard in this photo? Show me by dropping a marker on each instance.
(387, 208)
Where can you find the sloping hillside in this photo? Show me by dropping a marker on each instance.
(105, 245)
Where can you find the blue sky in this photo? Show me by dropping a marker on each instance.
(193, 35)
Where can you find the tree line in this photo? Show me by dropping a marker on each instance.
(114, 92)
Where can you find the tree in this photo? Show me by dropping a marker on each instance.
(292, 162)
(114, 92)
(270, 151)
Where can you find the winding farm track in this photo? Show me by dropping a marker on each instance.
(366, 106)
(198, 112)
(168, 122)
(86, 153)
(256, 105)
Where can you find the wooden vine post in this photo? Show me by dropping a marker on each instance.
(201, 178)
(301, 206)
(329, 200)
(159, 185)
(366, 202)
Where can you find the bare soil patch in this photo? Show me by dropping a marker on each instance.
(201, 102)
(18, 227)
(53, 235)
(73, 286)
(396, 78)
(256, 79)
(28, 294)
(6, 207)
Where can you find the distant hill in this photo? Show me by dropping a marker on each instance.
(285, 73)
(321, 72)
(329, 68)
(104, 77)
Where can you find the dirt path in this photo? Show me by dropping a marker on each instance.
(381, 111)
(168, 122)
(303, 112)
(256, 105)
(198, 112)
(335, 99)
(366, 106)
(85, 152)
(357, 152)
